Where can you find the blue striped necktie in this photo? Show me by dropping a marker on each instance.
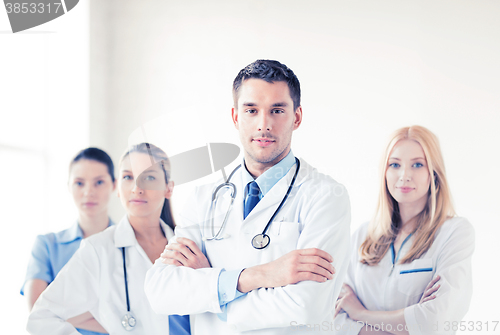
(252, 198)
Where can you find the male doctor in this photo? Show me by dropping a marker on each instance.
(291, 285)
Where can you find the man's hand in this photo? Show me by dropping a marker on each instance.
(296, 266)
(184, 253)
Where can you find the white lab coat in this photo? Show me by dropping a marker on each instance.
(316, 214)
(93, 281)
(380, 290)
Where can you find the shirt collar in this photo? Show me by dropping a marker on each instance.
(271, 176)
(73, 233)
(125, 236)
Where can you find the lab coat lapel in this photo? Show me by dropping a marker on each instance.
(125, 237)
(124, 234)
(306, 171)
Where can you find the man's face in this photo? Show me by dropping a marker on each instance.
(265, 118)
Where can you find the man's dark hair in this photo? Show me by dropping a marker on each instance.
(270, 71)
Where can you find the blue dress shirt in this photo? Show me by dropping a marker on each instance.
(50, 253)
(228, 280)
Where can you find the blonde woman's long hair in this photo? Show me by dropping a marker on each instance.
(386, 223)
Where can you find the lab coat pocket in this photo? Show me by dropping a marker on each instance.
(284, 236)
(414, 277)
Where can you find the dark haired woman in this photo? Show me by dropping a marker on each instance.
(91, 183)
(106, 275)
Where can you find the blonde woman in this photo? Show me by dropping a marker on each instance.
(410, 268)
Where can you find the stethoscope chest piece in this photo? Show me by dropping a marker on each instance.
(260, 241)
(128, 321)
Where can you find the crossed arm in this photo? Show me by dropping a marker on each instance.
(58, 313)
(325, 232)
(296, 266)
(41, 273)
(35, 287)
(445, 298)
(349, 302)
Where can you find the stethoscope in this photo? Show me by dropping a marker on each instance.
(128, 320)
(259, 241)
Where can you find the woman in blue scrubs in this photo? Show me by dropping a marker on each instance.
(91, 183)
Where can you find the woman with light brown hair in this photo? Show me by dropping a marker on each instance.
(410, 268)
(106, 275)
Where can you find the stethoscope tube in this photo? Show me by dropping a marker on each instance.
(259, 241)
(125, 277)
(128, 320)
(213, 203)
(284, 199)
